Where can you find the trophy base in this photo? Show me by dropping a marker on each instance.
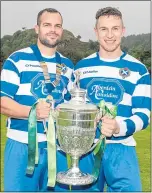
(75, 179)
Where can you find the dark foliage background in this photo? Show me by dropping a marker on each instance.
(137, 45)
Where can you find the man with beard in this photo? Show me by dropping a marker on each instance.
(23, 82)
(121, 80)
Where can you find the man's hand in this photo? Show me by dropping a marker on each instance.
(42, 110)
(109, 126)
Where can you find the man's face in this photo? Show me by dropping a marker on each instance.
(50, 29)
(109, 31)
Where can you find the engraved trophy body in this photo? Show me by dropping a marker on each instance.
(75, 123)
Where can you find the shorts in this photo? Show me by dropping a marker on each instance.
(15, 164)
(120, 169)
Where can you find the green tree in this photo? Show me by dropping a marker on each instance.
(93, 45)
(78, 37)
(2, 59)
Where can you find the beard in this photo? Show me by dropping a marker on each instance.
(46, 42)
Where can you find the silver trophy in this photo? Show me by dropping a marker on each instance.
(75, 123)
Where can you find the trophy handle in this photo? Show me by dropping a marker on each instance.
(59, 148)
(55, 113)
(55, 117)
(99, 140)
(101, 136)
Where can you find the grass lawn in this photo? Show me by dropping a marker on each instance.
(143, 147)
(143, 150)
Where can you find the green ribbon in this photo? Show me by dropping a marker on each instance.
(51, 149)
(32, 140)
(33, 144)
(99, 150)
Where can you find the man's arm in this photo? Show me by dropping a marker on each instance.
(141, 103)
(141, 106)
(10, 82)
(11, 108)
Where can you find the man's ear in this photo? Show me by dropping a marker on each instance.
(96, 33)
(36, 27)
(123, 31)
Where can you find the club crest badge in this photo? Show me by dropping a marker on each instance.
(61, 68)
(124, 72)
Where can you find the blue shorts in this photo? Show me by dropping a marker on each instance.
(120, 169)
(15, 164)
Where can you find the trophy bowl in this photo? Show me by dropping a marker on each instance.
(76, 129)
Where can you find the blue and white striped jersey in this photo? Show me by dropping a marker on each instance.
(22, 80)
(124, 82)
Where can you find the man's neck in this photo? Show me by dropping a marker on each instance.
(110, 55)
(46, 51)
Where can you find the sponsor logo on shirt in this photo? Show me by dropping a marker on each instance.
(106, 89)
(90, 71)
(38, 88)
(31, 65)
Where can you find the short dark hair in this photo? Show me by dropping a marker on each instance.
(108, 11)
(50, 10)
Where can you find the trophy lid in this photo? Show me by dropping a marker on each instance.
(77, 102)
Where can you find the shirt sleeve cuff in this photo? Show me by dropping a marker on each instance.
(123, 128)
